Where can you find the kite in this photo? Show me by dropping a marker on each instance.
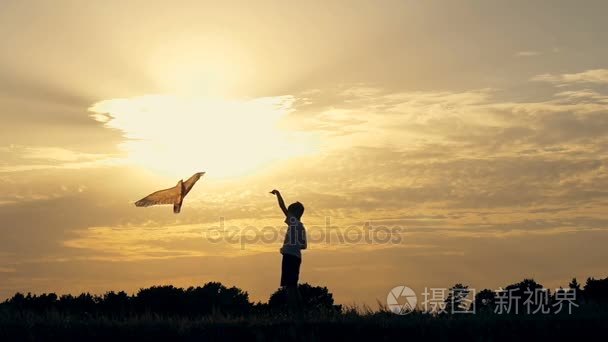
(174, 195)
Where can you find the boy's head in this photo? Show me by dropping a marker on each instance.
(296, 210)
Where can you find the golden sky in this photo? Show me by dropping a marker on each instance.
(475, 130)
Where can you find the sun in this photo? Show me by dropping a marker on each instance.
(179, 135)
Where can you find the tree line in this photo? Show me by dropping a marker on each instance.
(216, 298)
(211, 298)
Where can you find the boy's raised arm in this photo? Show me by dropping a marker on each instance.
(280, 199)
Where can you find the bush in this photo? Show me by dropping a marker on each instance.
(314, 298)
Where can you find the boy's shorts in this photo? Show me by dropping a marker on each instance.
(290, 270)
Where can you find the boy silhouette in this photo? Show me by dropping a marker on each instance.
(295, 241)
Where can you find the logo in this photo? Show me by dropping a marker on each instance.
(401, 300)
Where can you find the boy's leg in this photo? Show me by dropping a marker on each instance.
(290, 277)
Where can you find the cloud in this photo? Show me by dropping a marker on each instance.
(596, 76)
(470, 123)
(527, 53)
(136, 243)
(391, 153)
(18, 158)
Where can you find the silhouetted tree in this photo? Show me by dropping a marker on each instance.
(456, 301)
(314, 298)
(160, 299)
(215, 297)
(520, 292)
(17, 301)
(574, 285)
(116, 303)
(596, 290)
(212, 297)
(45, 301)
(484, 301)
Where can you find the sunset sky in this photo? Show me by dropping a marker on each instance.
(478, 128)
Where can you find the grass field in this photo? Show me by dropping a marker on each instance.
(379, 325)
